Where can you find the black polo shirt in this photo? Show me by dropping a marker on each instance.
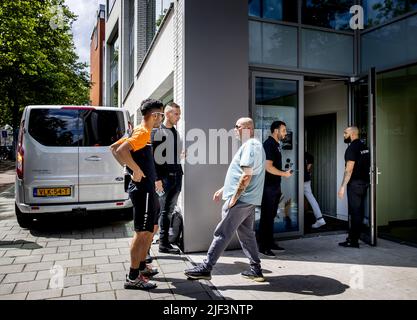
(359, 152)
(273, 153)
(308, 159)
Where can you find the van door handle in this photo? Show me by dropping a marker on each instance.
(93, 158)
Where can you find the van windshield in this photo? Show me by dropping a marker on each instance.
(72, 128)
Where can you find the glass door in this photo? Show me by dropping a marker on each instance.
(281, 97)
(363, 116)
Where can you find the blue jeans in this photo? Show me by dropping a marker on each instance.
(172, 187)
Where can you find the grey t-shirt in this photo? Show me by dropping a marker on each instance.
(251, 154)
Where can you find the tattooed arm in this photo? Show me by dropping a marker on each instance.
(244, 181)
(346, 178)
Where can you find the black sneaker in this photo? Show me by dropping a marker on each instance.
(277, 248)
(255, 275)
(140, 283)
(167, 248)
(349, 244)
(148, 259)
(198, 272)
(267, 252)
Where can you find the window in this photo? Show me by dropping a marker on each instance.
(380, 11)
(55, 127)
(280, 10)
(114, 73)
(332, 14)
(72, 128)
(101, 127)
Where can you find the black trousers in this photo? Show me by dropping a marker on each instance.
(356, 193)
(172, 187)
(269, 208)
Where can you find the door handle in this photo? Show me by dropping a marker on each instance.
(93, 158)
(377, 174)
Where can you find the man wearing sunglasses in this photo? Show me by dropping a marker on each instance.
(136, 153)
(242, 192)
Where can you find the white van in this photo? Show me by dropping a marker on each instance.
(64, 163)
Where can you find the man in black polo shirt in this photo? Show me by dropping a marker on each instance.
(272, 188)
(167, 152)
(356, 180)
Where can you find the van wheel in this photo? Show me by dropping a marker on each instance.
(23, 219)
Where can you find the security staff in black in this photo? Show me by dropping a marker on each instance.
(167, 153)
(356, 181)
(272, 188)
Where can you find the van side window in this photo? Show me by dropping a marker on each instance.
(101, 127)
(55, 127)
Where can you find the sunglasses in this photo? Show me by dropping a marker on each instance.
(159, 113)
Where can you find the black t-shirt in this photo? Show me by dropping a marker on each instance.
(308, 159)
(359, 152)
(173, 157)
(273, 153)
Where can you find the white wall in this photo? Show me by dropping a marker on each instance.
(156, 76)
(332, 98)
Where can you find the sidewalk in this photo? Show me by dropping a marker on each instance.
(7, 174)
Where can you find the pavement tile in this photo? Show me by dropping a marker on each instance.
(55, 257)
(110, 267)
(72, 281)
(58, 243)
(120, 258)
(77, 290)
(72, 248)
(17, 253)
(81, 254)
(81, 242)
(15, 296)
(113, 245)
(132, 295)
(6, 261)
(71, 271)
(106, 295)
(19, 277)
(44, 294)
(95, 260)
(39, 266)
(96, 278)
(6, 288)
(11, 268)
(43, 251)
(104, 286)
(96, 246)
(31, 286)
(28, 259)
(69, 263)
(77, 297)
(106, 252)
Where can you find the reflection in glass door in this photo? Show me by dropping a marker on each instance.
(280, 97)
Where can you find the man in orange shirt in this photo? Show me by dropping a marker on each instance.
(136, 153)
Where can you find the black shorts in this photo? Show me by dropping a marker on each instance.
(145, 206)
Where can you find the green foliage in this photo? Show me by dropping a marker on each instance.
(38, 63)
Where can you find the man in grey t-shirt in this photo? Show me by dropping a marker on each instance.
(242, 192)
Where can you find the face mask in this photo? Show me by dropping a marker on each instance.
(347, 140)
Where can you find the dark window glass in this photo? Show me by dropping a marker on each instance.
(255, 8)
(55, 127)
(333, 14)
(101, 127)
(283, 10)
(380, 11)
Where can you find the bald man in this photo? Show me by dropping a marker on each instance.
(356, 182)
(242, 192)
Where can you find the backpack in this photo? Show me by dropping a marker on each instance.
(176, 226)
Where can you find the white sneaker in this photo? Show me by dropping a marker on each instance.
(319, 223)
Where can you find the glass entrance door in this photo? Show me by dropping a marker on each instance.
(363, 116)
(281, 97)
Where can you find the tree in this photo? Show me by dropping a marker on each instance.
(38, 63)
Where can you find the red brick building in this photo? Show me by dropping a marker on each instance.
(97, 59)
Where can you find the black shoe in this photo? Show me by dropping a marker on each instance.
(198, 272)
(277, 248)
(267, 252)
(349, 244)
(167, 248)
(253, 275)
(148, 259)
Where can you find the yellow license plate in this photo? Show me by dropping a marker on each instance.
(52, 192)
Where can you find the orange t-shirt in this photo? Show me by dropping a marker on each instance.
(139, 138)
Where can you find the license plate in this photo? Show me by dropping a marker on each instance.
(52, 192)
